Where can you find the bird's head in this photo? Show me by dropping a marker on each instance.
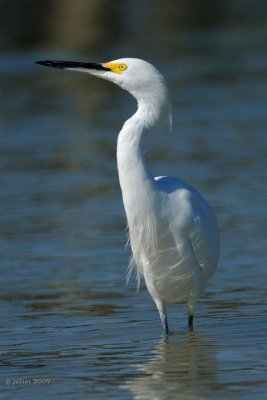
(137, 76)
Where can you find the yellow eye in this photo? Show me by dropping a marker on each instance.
(117, 68)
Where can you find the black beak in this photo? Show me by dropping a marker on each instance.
(73, 65)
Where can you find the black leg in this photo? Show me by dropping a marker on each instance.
(190, 322)
(166, 326)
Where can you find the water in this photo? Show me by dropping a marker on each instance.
(70, 328)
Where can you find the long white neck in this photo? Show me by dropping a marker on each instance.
(134, 174)
(136, 180)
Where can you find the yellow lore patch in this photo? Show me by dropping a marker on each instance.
(118, 68)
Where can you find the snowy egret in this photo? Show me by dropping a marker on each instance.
(172, 229)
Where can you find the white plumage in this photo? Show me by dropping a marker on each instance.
(173, 230)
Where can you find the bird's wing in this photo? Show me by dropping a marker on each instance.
(203, 238)
(192, 217)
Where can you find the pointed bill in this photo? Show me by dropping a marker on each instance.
(74, 65)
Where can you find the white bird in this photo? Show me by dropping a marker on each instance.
(172, 229)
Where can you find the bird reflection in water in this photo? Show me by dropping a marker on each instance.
(180, 369)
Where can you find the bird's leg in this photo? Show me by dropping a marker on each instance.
(163, 314)
(191, 308)
(190, 322)
(165, 324)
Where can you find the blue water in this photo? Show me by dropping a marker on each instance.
(70, 328)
